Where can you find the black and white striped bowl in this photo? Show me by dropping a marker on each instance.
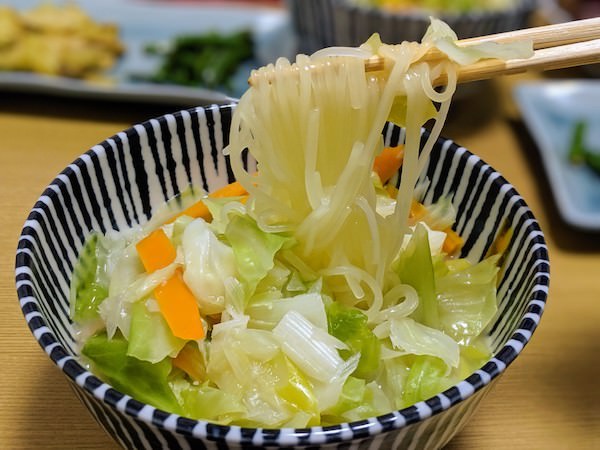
(121, 182)
(327, 23)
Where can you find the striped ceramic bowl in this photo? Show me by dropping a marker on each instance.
(326, 23)
(121, 182)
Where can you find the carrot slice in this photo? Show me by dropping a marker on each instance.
(452, 242)
(231, 190)
(417, 210)
(200, 210)
(388, 162)
(178, 306)
(156, 251)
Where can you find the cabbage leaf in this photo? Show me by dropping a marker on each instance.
(89, 283)
(254, 249)
(145, 381)
(208, 263)
(349, 325)
(467, 298)
(150, 338)
(415, 268)
(425, 379)
(205, 402)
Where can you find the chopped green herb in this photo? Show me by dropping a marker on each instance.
(209, 59)
(579, 153)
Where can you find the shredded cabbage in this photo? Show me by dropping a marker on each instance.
(150, 338)
(208, 263)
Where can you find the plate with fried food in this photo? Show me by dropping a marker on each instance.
(188, 53)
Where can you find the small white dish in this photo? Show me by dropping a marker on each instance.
(550, 111)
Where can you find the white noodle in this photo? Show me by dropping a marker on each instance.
(315, 128)
(340, 51)
(375, 241)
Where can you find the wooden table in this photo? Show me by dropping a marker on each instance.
(548, 399)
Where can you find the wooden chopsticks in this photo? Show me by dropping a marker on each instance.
(546, 36)
(556, 46)
(570, 55)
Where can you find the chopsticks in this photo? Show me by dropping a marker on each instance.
(556, 46)
(563, 56)
(546, 36)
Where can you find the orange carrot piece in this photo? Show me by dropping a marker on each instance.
(231, 190)
(190, 360)
(178, 306)
(388, 162)
(156, 251)
(391, 190)
(417, 210)
(452, 242)
(200, 210)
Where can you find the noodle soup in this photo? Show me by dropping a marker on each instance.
(315, 290)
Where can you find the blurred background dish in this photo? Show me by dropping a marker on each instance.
(201, 52)
(57, 40)
(551, 111)
(559, 11)
(38, 42)
(324, 23)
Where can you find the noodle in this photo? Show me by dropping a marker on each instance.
(315, 127)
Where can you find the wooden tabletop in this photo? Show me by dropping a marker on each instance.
(548, 399)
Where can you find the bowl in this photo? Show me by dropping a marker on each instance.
(326, 23)
(122, 180)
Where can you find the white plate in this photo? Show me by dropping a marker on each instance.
(143, 22)
(550, 111)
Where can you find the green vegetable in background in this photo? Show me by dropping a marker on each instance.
(209, 59)
(579, 153)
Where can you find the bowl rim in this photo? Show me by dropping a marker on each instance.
(396, 419)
